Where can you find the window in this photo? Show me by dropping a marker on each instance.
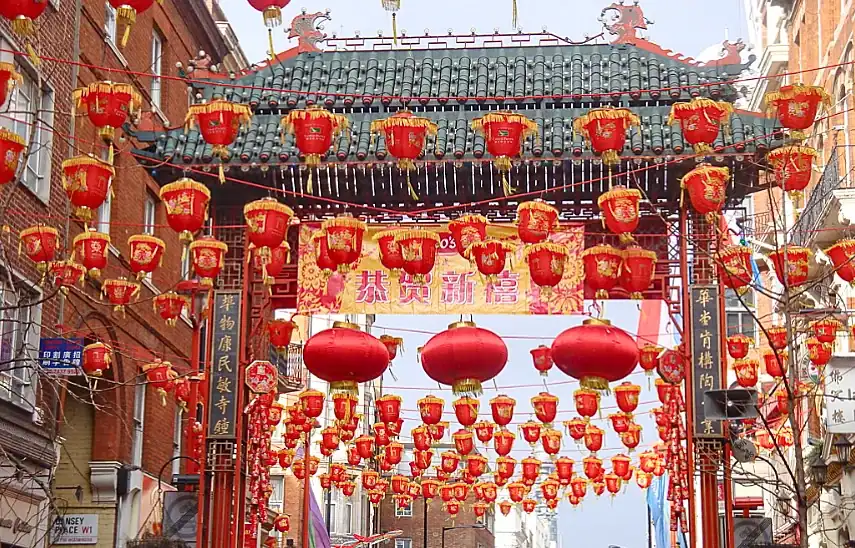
(404, 512)
(176, 441)
(739, 312)
(332, 523)
(139, 422)
(19, 338)
(277, 495)
(149, 215)
(348, 518)
(156, 67)
(110, 22)
(403, 543)
(103, 216)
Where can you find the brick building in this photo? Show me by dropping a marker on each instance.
(418, 532)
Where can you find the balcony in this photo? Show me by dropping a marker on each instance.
(292, 372)
(829, 210)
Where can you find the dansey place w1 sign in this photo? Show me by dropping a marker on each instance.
(75, 529)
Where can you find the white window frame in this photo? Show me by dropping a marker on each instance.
(103, 214)
(406, 512)
(333, 518)
(177, 438)
(23, 333)
(149, 214)
(743, 313)
(277, 496)
(403, 543)
(111, 27)
(156, 85)
(138, 422)
(348, 518)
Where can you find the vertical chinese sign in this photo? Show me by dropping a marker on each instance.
(840, 396)
(706, 355)
(222, 402)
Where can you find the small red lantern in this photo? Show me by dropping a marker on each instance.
(282, 523)
(347, 488)
(96, 358)
(504, 133)
(505, 507)
(369, 479)
(267, 221)
(467, 230)
(528, 505)
(208, 257)
(517, 491)
(764, 439)
(648, 357)
(430, 488)
(825, 330)
(449, 461)
(794, 272)
(746, 372)
(169, 306)
(503, 442)
(108, 105)
(476, 465)
(502, 408)
(734, 265)
(564, 470)
(796, 106)
(599, 488)
(551, 442)
(390, 251)
(793, 168)
(285, 457)
(536, 219)
(314, 129)
(463, 442)
(430, 409)
(344, 241)
(389, 408)
(92, 249)
(643, 479)
(446, 492)
(381, 434)
(418, 248)
(452, 508)
(700, 120)
(777, 337)
(9, 78)
(279, 333)
(160, 375)
(312, 403)
(375, 497)
(437, 431)
(587, 402)
(776, 363)
(353, 457)
(86, 180)
(531, 432)
(120, 292)
(842, 255)
(626, 396)
(605, 130)
(620, 422)
(602, 269)
(545, 407)
(782, 402)
(505, 466)
(39, 243)
(637, 270)
(325, 481)
(421, 438)
(484, 431)
(663, 390)
(647, 461)
(490, 257)
(579, 487)
(325, 351)
(466, 410)
(542, 358)
(392, 345)
(706, 186)
(399, 484)
(593, 467)
(631, 437)
(784, 437)
(490, 491)
(186, 204)
(530, 468)
(329, 438)
(405, 136)
(219, 122)
(423, 459)
(146, 254)
(479, 509)
(11, 144)
(621, 465)
(612, 482)
(546, 262)
(819, 352)
(594, 438)
(620, 210)
(464, 356)
(22, 13)
(738, 345)
(576, 427)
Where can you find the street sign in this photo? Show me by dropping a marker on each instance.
(840, 395)
(222, 403)
(61, 357)
(180, 509)
(752, 531)
(705, 337)
(75, 529)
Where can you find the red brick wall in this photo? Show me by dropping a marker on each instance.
(413, 527)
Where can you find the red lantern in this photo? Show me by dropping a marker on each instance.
(120, 292)
(314, 129)
(782, 402)
(663, 390)
(467, 230)
(484, 431)
(208, 257)
(784, 437)
(344, 241)
(271, 11)
(347, 488)
(86, 180)
(647, 461)
(777, 337)
(282, 523)
(546, 263)
(517, 491)
(392, 345)
(542, 358)
(126, 14)
(375, 497)
(793, 168)
(369, 479)
(421, 438)
(490, 257)
(463, 442)
(505, 507)
(39, 243)
(737, 346)
(699, 121)
(96, 358)
(620, 211)
(764, 440)
(219, 123)
(637, 270)
(528, 505)
(418, 248)
(466, 410)
(648, 357)
(502, 408)
(605, 130)
(612, 482)
(479, 509)
(405, 139)
(476, 465)
(186, 204)
(593, 438)
(825, 330)
(267, 221)
(595, 353)
(353, 456)
(325, 481)
(593, 467)
(464, 356)
(430, 488)
(505, 466)
(504, 133)
(312, 403)
(663, 419)
(620, 422)
(643, 479)
(620, 465)
(423, 459)
(280, 332)
(9, 78)
(108, 105)
(430, 409)
(579, 486)
(536, 219)
(437, 431)
(842, 255)
(92, 249)
(564, 470)
(819, 353)
(530, 467)
(11, 144)
(21, 14)
(551, 441)
(490, 492)
(325, 351)
(160, 376)
(530, 432)
(329, 438)
(381, 434)
(503, 442)
(285, 457)
(146, 254)
(746, 372)
(390, 251)
(545, 407)
(602, 269)
(734, 265)
(796, 106)
(452, 508)
(576, 426)
(399, 484)
(632, 437)
(169, 306)
(626, 396)
(449, 461)
(794, 271)
(706, 186)
(389, 408)
(587, 402)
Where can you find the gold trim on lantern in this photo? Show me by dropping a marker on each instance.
(788, 92)
(216, 244)
(605, 113)
(468, 386)
(39, 229)
(597, 321)
(6, 135)
(339, 122)
(389, 233)
(344, 387)
(243, 112)
(701, 103)
(80, 94)
(343, 221)
(538, 205)
(602, 249)
(267, 204)
(14, 76)
(469, 218)
(639, 252)
(529, 126)
(185, 184)
(735, 250)
(507, 246)
(705, 170)
(145, 238)
(559, 249)
(90, 235)
(346, 325)
(87, 160)
(404, 118)
(461, 323)
(415, 234)
(784, 153)
(827, 322)
(618, 192)
(848, 245)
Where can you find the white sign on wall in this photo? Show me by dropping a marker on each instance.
(75, 529)
(840, 395)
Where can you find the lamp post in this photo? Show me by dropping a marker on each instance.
(841, 446)
(445, 529)
(819, 470)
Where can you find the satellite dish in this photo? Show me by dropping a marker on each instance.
(743, 450)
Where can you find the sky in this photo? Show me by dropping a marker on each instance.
(689, 27)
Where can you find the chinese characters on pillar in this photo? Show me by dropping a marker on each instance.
(706, 355)
(225, 345)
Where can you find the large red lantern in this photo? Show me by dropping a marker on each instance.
(648, 357)
(186, 204)
(793, 168)
(700, 120)
(706, 186)
(503, 442)
(819, 352)
(314, 129)
(325, 351)
(430, 409)
(637, 270)
(594, 438)
(825, 330)
(344, 241)
(464, 356)
(91, 249)
(626, 396)
(596, 353)
(536, 219)
(796, 106)
(207, 256)
(11, 144)
(86, 180)
(39, 243)
(738, 345)
(169, 306)
(405, 136)
(620, 210)
(545, 407)
(160, 376)
(734, 265)
(531, 432)
(587, 403)
(842, 255)
(67, 273)
(22, 13)
(145, 254)
(746, 372)
(108, 105)
(602, 268)
(219, 123)
(546, 262)
(484, 431)
(502, 409)
(490, 257)
(268, 222)
(390, 251)
(605, 130)
(96, 358)
(791, 271)
(463, 442)
(504, 133)
(280, 332)
(418, 249)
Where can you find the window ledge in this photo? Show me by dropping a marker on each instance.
(160, 114)
(117, 52)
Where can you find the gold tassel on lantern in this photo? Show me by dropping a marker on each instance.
(515, 18)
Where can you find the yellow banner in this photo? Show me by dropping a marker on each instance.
(453, 287)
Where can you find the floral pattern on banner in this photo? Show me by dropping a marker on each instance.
(453, 287)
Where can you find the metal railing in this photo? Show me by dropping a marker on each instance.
(818, 203)
(292, 372)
